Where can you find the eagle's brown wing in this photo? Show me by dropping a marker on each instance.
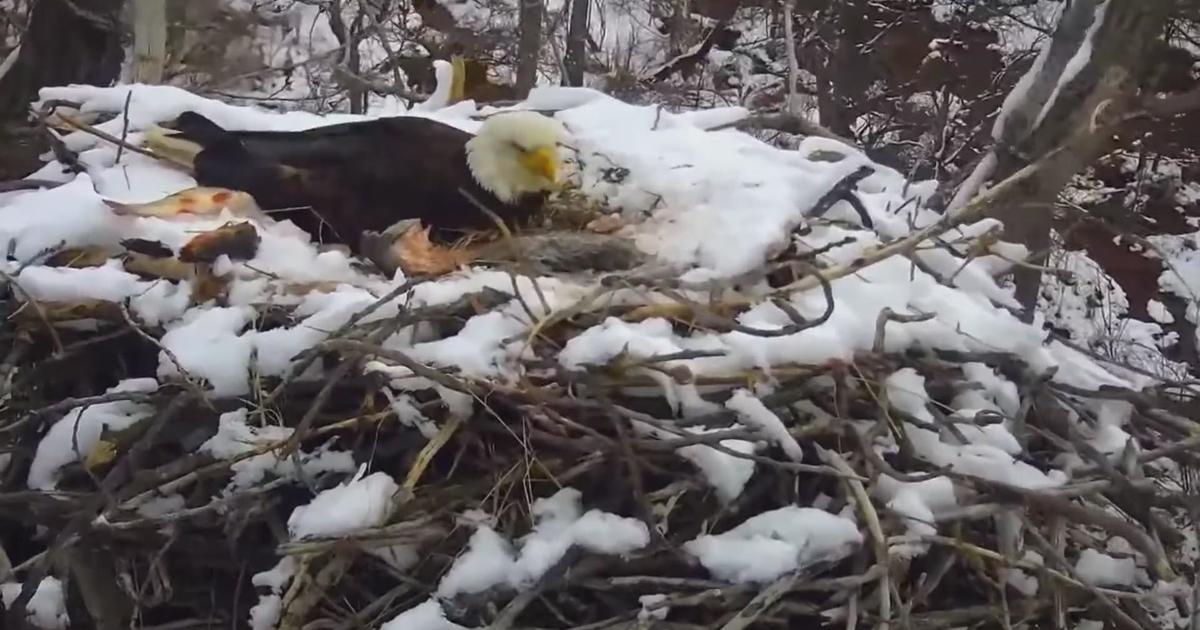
(354, 176)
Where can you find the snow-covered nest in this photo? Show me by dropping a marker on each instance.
(481, 432)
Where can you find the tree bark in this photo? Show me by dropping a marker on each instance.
(149, 40)
(1027, 99)
(577, 32)
(529, 44)
(678, 29)
(1069, 34)
(789, 36)
(1119, 46)
(844, 31)
(68, 41)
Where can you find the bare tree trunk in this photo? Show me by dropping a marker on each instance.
(349, 35)
(577, 32)
(357, 95)
(678, 29)
(789, 30)
(1021, 109)
(149, 40)
(1070, 86)
(529, 44)
(67, 42)
(844, 32)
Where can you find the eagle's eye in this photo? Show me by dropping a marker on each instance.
(518, 147)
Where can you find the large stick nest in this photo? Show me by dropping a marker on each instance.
(145, 504)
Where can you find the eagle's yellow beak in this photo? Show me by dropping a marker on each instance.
(542, 162)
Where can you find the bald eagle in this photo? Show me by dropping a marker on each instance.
(339, 181)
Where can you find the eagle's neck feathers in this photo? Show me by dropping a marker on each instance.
(496, 172)
(514, 154)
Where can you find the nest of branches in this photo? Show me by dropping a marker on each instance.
(1001, 555)
(144, 522)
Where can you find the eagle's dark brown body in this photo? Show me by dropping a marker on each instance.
(353, 176)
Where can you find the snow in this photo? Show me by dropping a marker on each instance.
(696, 183)
(653, 607)
(754, 413)
(600, 344)
(918, 503)
(1108, 436)
(726, 473)
(444, 71)
(206, 344)
(409, 415)
(236, 438)
(906, 392)
(426, 616)
(687, 192)
(47, 609)
(59, 284)
(944, 10)
(1159, 313)
(266, 613)
(963, 322)
(487, 562)
(360, 503)
(74, 435)
(996, 435)
(79, 219)
(1099, 569)
(768, 545)
(1180, 256)
(1026, 583)
(152, 104)
(161, 302)
(478, 349)
(278, 576)
(997, 392)
(1093, 310)
(160, 506)
(605, 533)
(214, 344)
(560, 524)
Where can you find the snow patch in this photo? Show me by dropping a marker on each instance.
(773, 543)
(560, 524)
(360, 503)
(1099, 569)
(78, 432)
(47, 609)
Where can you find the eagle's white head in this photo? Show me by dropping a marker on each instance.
(516, 153)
